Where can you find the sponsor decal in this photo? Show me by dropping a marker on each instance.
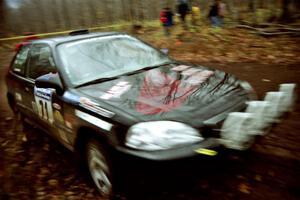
(190, 71)
(43, 93)
(43, 101)
(180, 68)
(18, 96)
(90, 105)
(199, 77)
(117, 90)
(94, 120)
(163, 93)
(194, 76)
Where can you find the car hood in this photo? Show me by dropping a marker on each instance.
(177, 92)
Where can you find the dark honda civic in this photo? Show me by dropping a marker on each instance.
(98, 93)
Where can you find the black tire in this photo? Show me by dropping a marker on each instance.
(19, 118)
(12, 104)
(99, 168)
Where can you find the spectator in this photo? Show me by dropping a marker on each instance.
(214, 14)
(221, 12)
(196, 15)
(217, 13)
(166, 18)
(183, 9)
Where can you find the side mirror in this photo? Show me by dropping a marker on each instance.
(50, 81)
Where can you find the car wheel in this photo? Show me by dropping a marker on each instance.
(19, 118)
(99, 168)
(12, 104)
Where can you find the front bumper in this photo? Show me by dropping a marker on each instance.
(209, 145)
(238, 130)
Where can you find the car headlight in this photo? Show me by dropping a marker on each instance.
(161, 135)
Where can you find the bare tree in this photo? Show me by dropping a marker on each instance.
(131, 11)
(67, 19)
(2, 19)
(107, 12)
(125, 12)
(140, 7)
(286, 15)
(252, 7)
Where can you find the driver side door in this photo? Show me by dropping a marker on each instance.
(40, 100)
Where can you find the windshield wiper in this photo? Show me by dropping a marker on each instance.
(148, 68)
(99, 80)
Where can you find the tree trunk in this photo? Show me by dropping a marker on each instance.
(286, 15)
(141, 11)
(56, 15)
(67, 19)
(131, 11)
(124, 11)
(2, 19)
(93, 13)
(252, 8)
(272, 6)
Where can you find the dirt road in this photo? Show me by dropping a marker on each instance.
(36, 167)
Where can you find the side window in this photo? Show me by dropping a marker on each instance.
(19, 63)
(41, 61)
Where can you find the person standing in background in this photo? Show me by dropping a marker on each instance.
(217, 13)
(166, 18)
(221, 12)
(183, 9)
(213, 14)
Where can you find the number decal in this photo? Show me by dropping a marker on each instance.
(43, 100)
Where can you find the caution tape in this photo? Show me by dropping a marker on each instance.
(60, 32)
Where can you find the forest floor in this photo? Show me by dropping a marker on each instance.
(34, 166)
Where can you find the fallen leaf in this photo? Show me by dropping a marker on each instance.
(266, 80)
(8, 118)
(44, 170)
(244, 188)
(53, 182)
(46, 147)
(258, 178)
(271, 173)
(240, 177)
(24, 138)
(40, 193)
(69, 193)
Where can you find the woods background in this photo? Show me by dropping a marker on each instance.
(38, 16)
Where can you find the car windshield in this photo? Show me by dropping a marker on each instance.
(97, 58)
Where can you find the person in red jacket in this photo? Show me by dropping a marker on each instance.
(166, 19)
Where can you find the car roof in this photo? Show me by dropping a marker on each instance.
(69, 38)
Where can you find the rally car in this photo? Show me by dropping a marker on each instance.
(99, 93)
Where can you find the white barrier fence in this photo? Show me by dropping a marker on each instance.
(240, 128)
